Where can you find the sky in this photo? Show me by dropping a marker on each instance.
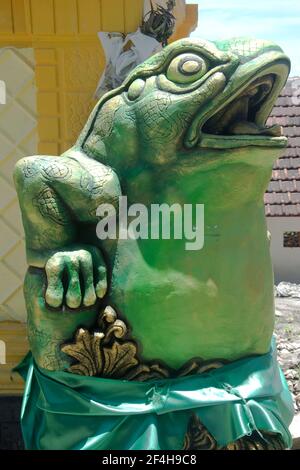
(277, 20)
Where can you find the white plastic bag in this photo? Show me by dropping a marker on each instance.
(122, 55)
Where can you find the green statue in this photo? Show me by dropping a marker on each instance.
(187, 127)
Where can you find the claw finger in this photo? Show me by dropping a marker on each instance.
(54, 297)
(73, 295)
(100, 273)
(101, 287)
(89, 296)
(86, 264)
(55, 291)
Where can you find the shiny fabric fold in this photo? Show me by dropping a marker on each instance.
(65, 411)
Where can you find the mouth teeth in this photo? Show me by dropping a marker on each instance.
(238, 117)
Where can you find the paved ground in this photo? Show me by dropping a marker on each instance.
(287, 332)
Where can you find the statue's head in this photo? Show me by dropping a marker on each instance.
(193, 95)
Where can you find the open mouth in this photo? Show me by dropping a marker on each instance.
(239, 116)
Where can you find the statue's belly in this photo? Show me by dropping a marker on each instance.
(208, 305)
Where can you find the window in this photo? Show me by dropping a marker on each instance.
(291, 239)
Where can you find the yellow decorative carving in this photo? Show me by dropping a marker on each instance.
(69, 58)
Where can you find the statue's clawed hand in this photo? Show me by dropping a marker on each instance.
(76, 276)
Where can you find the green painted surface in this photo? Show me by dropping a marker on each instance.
(96, 413)
(187, 126)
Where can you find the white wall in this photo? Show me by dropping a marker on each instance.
(18, 137)
(286, 261)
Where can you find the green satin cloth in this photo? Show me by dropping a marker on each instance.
(65, 411)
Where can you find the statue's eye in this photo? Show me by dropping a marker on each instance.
(186, 68)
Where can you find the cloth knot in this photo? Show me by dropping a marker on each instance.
(157, 395)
